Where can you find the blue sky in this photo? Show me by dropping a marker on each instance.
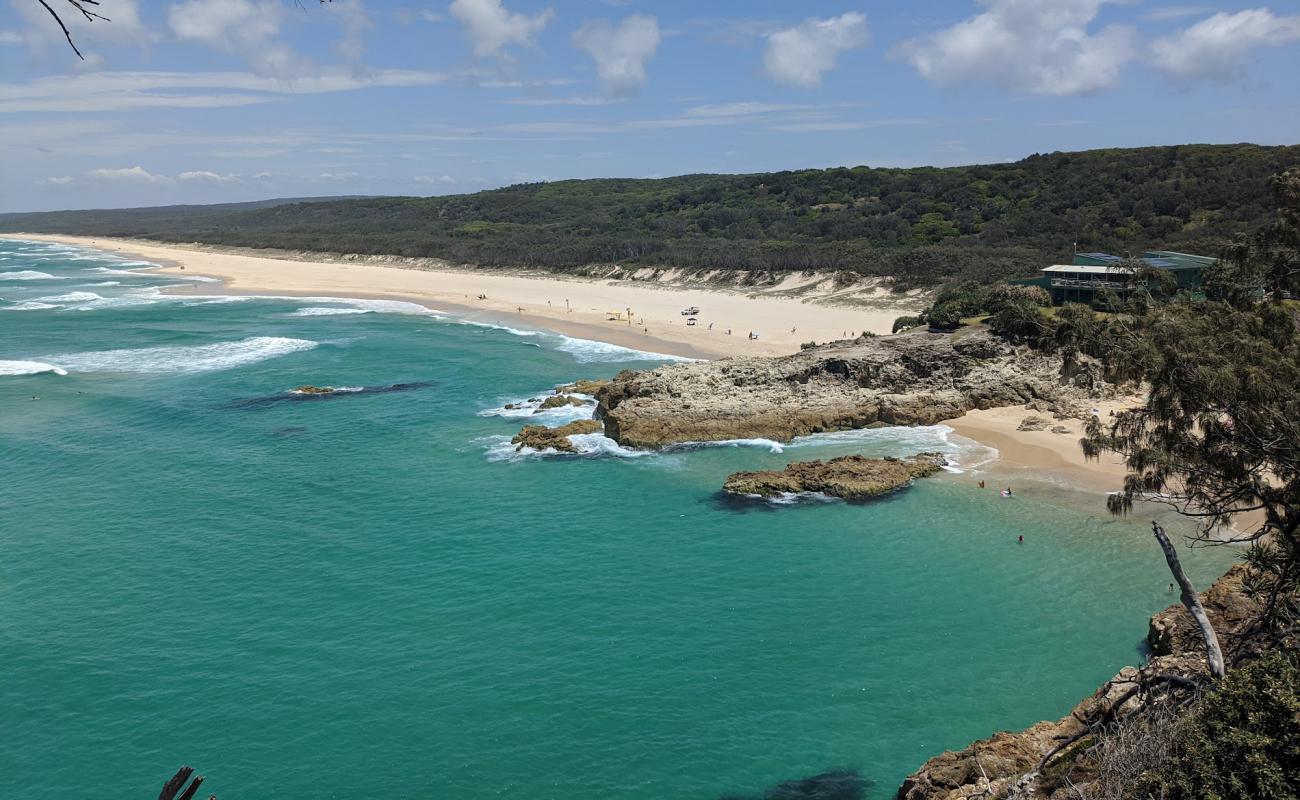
(225, 100)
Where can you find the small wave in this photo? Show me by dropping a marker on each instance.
(70, 297)
(588, 445)
(29, 275)
(767, 444)
(29, 368)
(106, 283)
(531, 408)
(29, 305)
(589, 351)
(319, 311)
(124, 272)
(198, 358)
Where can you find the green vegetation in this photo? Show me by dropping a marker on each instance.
(1242, 740)
(919, 227)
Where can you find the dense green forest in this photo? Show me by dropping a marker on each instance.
(920, 226)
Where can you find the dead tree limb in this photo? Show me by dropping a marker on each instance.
(79, 5)
(172, 787)
(1192, 602)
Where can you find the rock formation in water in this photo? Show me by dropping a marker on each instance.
(847, 477)
(559, 401)
(910, 379)
(309, 389)
(540, 437)
(994, 766)
(587, 387)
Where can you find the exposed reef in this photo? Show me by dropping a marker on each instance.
(847, 477)
(540, 437)
(560, 401)
(910, 379)
(312, 393)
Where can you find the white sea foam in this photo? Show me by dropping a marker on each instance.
(767, 444)
(198, 358)
(29, 368)
(333, 390)
(29, 275)
(29, 305)
(125, 272)
(325, 311)
(106, 283)
(588, 351)
(70, 297)
(589, 445)
(531, 408)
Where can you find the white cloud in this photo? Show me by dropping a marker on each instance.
(1034, 46)
(10, 37)
(125, 91)
(128, 174)
(443, 179)
(243, 28)
(339, 176)
(1215, 48)
(207, 176)
(491, 26)
(431, 16)
(63, 180)
(352, 16)
(1162, 13)
(620, 52)
(799, 56)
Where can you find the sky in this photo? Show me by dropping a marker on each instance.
(205, 101)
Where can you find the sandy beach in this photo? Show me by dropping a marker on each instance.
(576, 307)
(1044, 454)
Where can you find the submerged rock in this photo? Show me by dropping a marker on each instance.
(910, 379)
(315, 393)
(540, 437)
(309, 389)
(559, 401)
(847, 477)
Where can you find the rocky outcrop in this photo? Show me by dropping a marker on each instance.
(992, 767)
(313, 390)
(910, 379)
(540, 437)
(1033, 423)
(848, 477)
(587, 387)
(559, 401)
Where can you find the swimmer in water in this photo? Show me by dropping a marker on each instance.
(1022, 538)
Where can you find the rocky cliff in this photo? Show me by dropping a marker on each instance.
(1006, 764)
(911, 379)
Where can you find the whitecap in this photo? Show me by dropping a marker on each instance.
(29, 275)
(531, 408)
(197, 358)
(106, 283)
(124, 272)
(589, 445)
(588, 351)
(319, 311)
(29, 305)
(70, 297)
(767, 444)
(29, 368)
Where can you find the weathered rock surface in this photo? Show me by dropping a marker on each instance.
(1033, 423)
(540, 437)
(911, 379)
(849, 477)
(313, 390)
(560, 401)
(991, 767)
(587, 387)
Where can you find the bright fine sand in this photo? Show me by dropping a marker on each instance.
(576, 307)
(1038, 454)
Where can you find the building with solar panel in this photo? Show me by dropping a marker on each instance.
(1092, 272)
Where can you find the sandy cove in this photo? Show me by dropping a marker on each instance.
(572, 306)
(1023, 455)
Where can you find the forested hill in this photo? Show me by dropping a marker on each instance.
(921, 226)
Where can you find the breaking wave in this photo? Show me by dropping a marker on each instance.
(29, 275)
(197, 358)
(29, 368)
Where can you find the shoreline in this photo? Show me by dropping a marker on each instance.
(567, 305)
(1022, 456)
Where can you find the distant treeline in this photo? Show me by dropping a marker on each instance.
(920, 227)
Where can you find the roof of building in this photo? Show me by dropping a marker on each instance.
(1164, 259)
(1088, 269)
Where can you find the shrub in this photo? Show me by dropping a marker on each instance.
(1242, 741)
(903, 323)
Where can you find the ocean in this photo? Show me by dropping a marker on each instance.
(373, 593)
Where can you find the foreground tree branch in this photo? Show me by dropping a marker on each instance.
(1192, 602)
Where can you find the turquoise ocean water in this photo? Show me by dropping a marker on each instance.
(373, 594)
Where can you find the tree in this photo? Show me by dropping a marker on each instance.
(1265, 263)
(1219, 436)
(80, 6)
